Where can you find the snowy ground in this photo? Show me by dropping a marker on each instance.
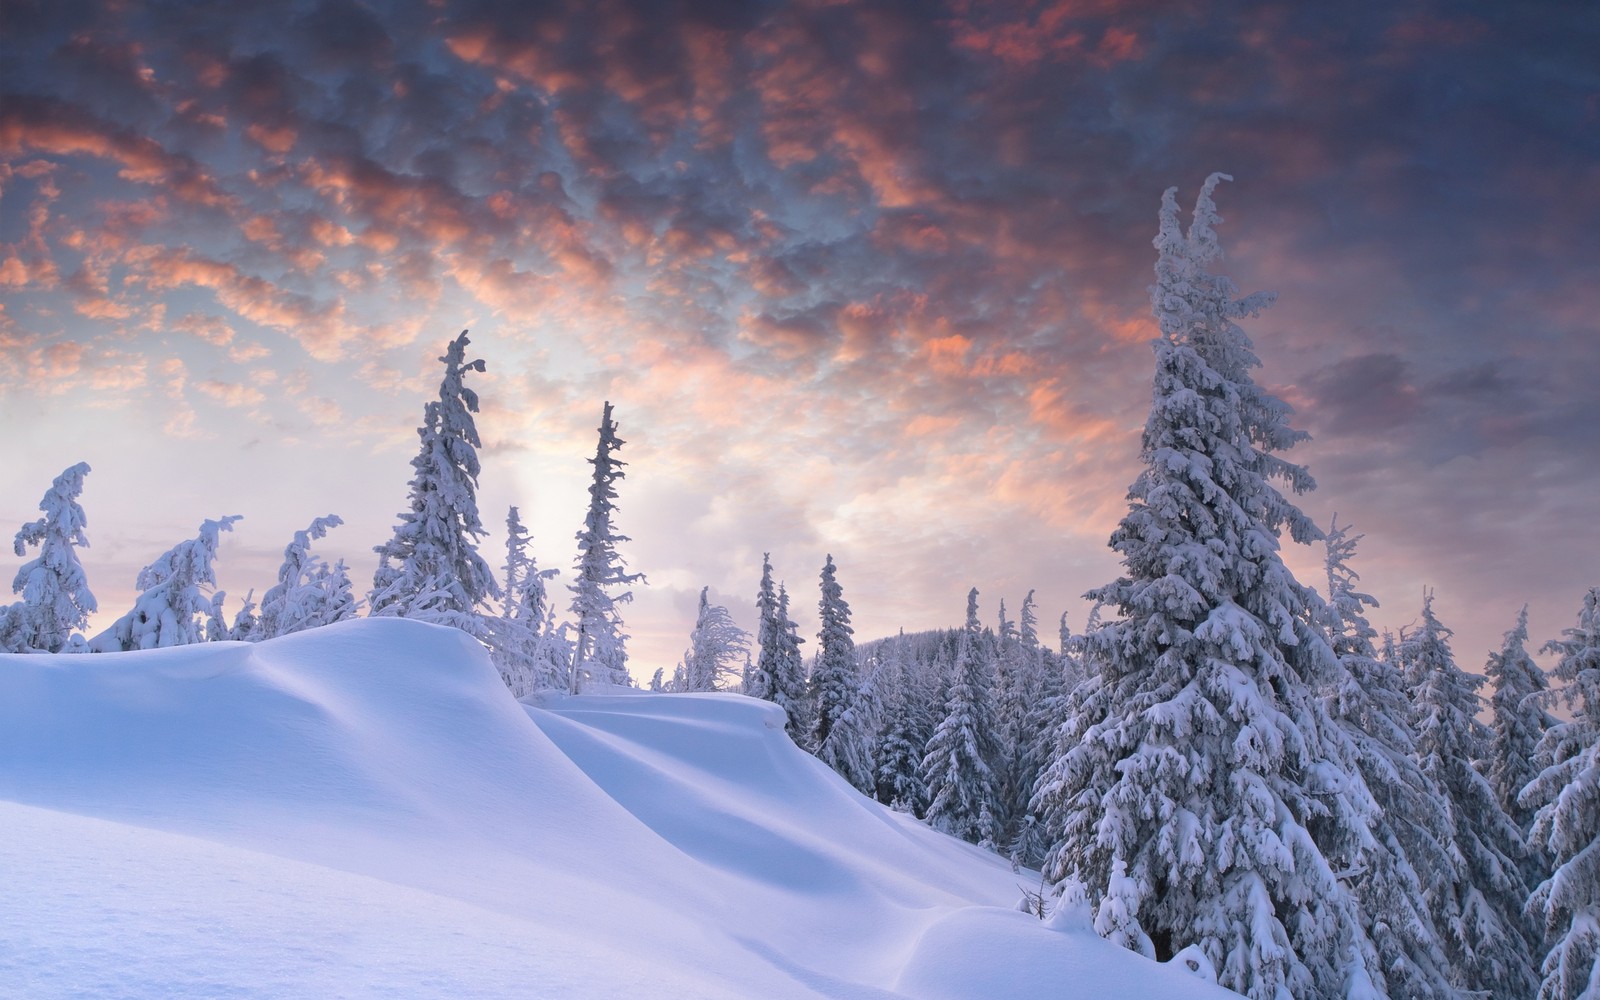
(363, 811)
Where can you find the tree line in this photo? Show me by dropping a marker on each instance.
(1224, 758)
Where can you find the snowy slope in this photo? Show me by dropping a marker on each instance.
(363, 810)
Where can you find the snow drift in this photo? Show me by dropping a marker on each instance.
(363, 810)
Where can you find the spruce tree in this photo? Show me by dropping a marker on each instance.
(789, 684)
(904, 737)
(958, 767)
(517, 639)
(1477, 905)
(599, 649)
(1566, 826)
(430, 569)
(1194, 762)
(715, 647)
(760, 681)
(309, 593)
(1518, 721)
(172, 608)
(834, 677)
(56, 601)
(1410, 829)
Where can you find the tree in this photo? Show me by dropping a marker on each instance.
(958, 767)
(518, 640)
(56, 601)
(1519, 721)
(834, 677)
(1408, 849)
(600, 650)
(904, 739)
(715, 647)
(1566, 825)
(171, 610)
(430, 569)
(1477, 903)
(309, 593)
(1193, 764)
(761, 681)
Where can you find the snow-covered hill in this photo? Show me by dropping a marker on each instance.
(362, 810)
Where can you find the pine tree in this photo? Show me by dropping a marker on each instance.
(790, 685)
(430, 569)
(1566, 825)
(56, 601)
(172, 610)
(761, 680)
(958, 767)
(1194, 763)
(715, 647)
(1477, 907)
(850, 746)
(834, 677)
(1410, 828)
(1519, 721)
(904, 736)
(600, 650)
(517, 638)
(309, 593)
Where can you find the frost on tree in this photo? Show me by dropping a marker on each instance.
(958, 765)
(834, 676)
(1566, 826)
(760, 681)
(524, 642)
(430, 569)
(1408, 849)
(309, 593)
(1518, 720)
(905, 731)
(599, 651)
(56, 601)
(1193, 763)
(172, 609)
(716, 647)
(1477, 902)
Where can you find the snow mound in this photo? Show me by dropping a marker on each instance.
(363, 810)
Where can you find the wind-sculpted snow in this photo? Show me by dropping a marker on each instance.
(362, 810)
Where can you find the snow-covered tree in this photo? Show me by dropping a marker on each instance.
(716, 647)
(599, 649)
(760, 681)
(789, 681)
(834, 676)
(56, 601)
(172, 609)
(1477, 906)
(1194, 762)
(517, 637)
(1566, 826)
(958, 766)
(430, 569)
(1410, 828)
(850, 747)
(309, 592)
(905, 731)
(1518, 721)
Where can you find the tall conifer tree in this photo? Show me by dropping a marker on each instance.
(599, 649)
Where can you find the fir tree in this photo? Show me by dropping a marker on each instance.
(1519, 721)
(599, 650)
(958, 766)
(760, 680)
(309, 593)
(172, 609)
(904, 737)
(715, 647)
(789, 684)
(1566, 826)
(430, 569)
(1477, 906)
(1410, 828)
(519, 646)
(56, 601)
(1194, 762)
(834, 677)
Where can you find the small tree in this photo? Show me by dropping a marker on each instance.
(1519, 721)
(56, 601)
(309, 593)
(1567, 824)
(957, 767)
(430, 569)
(172, 609)
(716, 647)
(599, 650)
(517, 638)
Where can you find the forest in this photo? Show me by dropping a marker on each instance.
(1224, 757)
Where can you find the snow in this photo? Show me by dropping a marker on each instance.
(362, 810)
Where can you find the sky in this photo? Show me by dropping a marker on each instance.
(861, 279)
